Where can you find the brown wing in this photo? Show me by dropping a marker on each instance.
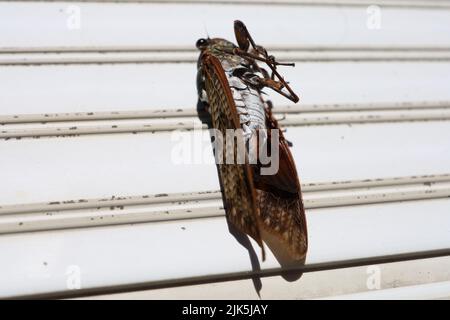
(236, 179)
(279, 197)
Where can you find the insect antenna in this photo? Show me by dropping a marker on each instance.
(206, 30)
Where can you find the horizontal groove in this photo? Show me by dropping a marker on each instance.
(147, 121)
(173, 49)
(165, 198)
(187, 112)
(431, 4)
(169, 207)
(183, 55)
(312, 267)
(365, 117)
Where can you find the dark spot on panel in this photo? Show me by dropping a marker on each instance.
(161, 195)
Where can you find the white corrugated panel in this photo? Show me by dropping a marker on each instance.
(92, 202)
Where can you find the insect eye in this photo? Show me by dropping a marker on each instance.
(201, 43)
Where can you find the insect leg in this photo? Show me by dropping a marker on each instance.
(271, 63)
(243, 37)
(273, 123)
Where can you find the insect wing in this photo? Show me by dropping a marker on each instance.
(280, 201)
(236, 179)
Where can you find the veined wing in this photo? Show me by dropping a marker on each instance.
(236, 179)
(279, 198)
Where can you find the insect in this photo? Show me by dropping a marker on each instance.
(230, 86)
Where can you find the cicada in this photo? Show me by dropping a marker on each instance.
(230, 85)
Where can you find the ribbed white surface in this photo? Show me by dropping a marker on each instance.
(87, 115)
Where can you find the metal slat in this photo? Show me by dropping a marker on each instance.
(431, 4)
(183, 49)
(334, 239)
(184, 112)
(165, 207)
(149, 84)
(69, 168)
(214, 195)
(10, 130)
(191, 56)
(312, 285)
(132, 24)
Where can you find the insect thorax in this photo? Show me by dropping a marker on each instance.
(250, 105)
